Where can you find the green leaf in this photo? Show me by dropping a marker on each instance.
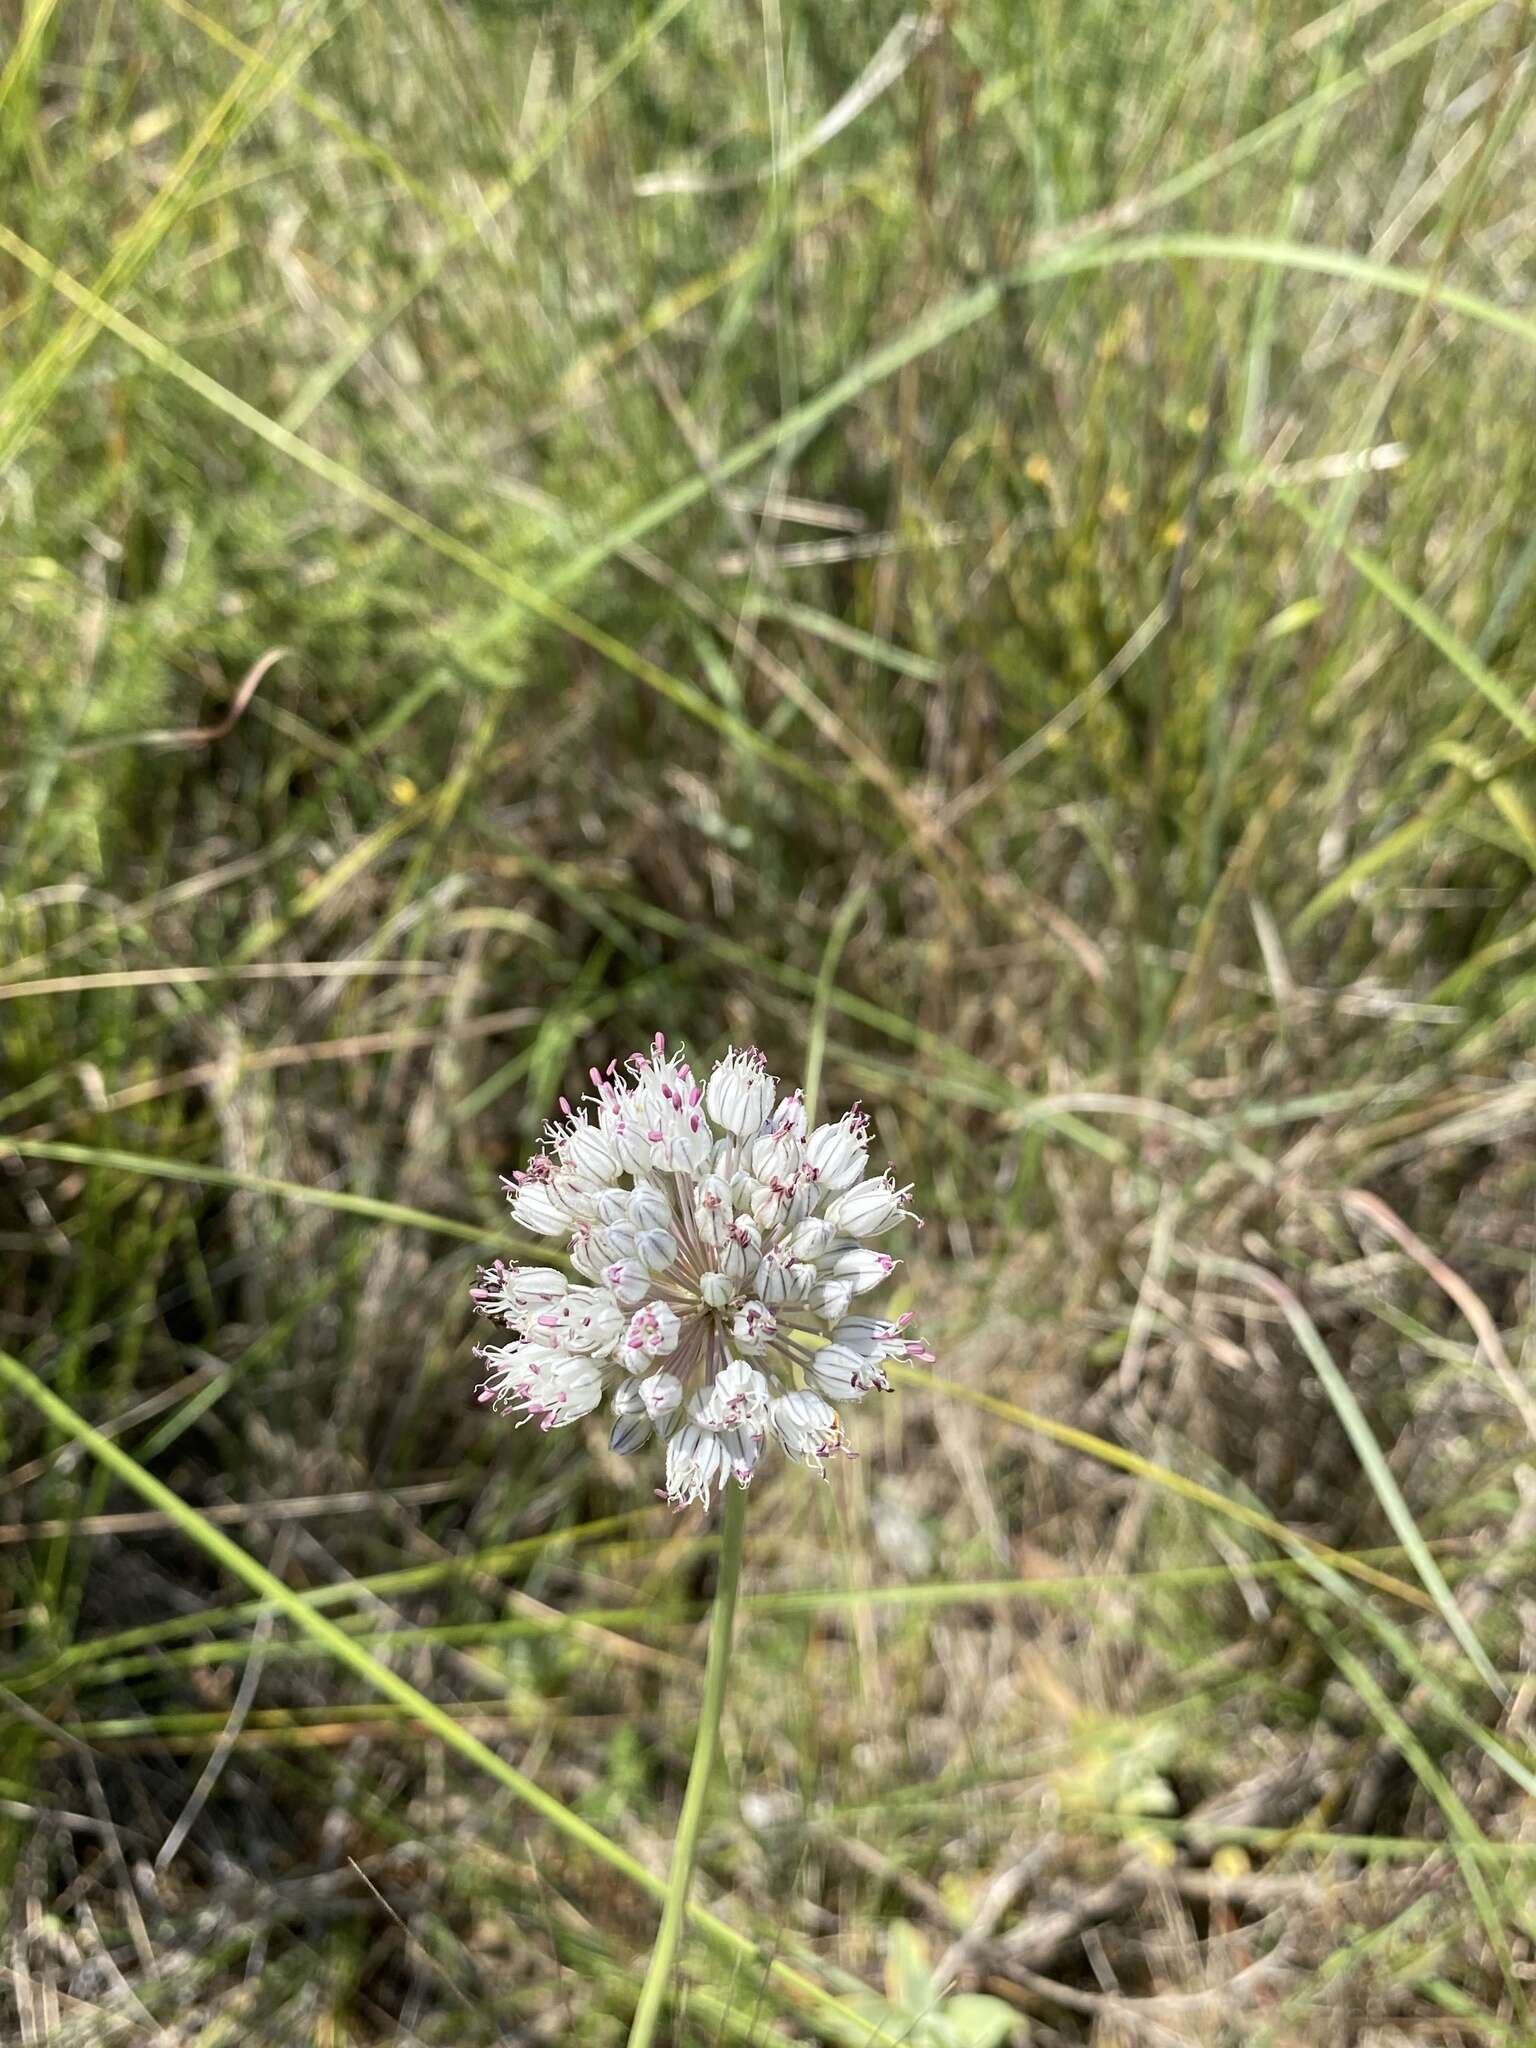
(908, 1972)
(982, 2022)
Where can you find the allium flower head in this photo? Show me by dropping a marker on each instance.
(719, 1244)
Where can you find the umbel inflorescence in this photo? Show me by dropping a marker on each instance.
(722, 1244)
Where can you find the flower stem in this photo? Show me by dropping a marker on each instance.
(705, 1742)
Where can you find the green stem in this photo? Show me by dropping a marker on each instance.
(705, 1742)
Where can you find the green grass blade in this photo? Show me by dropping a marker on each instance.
(685, 695)
(1377, 857)
(1465, 1833)
(816, 1046)
(260, 80)
(19, 64)
(1191, 1490)
(1264, 252)
(1425, 620)
(341, 1199)
(111, 1660)
(1376, 1468)
(735, 1948)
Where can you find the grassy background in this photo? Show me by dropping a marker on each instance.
(993, 555)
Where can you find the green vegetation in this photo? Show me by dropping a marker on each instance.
(993, 555)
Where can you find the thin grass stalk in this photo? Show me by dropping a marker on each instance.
(706, 1742)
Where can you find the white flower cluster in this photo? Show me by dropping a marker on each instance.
(718, 1238)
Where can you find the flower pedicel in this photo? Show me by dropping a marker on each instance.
(716, 1236)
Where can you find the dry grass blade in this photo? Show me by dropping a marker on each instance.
(194, 977)
(141, 1521)
(1361, 1202)
(1192, 1490)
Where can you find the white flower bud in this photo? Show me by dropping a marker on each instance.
(516, 1292)
(839, 1152)
(742, 1448)
(771, 1280)
(871, 1337)
(830, 1300)
(753, 1325)
(712, 1212)
(737, 1400)
(856, 1264)
(769, 1205)
(697, 1460)
(740, 1252)
(740, 1092)
(842, 1376)
(534, 1208)
(869, 1208)
(578, 1384)
(585, 1320)
(653, 1333)
(629, 1282)
(648, 1208)
(633, 1427)
(809, 1238)
(790, 1115)
(807, 1427)
(587, 1153)
(535, 1285)
(661, 1396)
(801, 1278)
(657, 1249)
(777, 1155)
(590, 1251)
(613, 1240)
(715, 1290)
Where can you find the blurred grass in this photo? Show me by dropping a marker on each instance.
(991, 554)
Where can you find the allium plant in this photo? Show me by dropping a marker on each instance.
(721, 1246)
